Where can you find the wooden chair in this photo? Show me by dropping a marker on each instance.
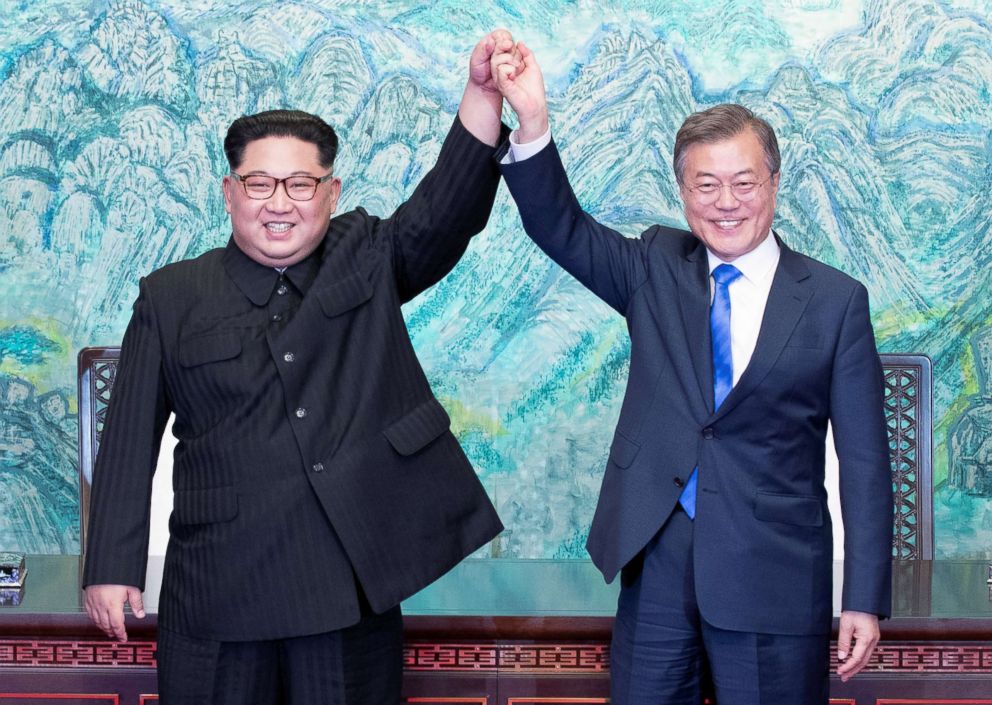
(96, 370)
(909, 418)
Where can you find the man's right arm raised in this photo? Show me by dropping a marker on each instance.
(606, 262)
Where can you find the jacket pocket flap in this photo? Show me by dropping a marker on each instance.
(212, 347)
(623, 451)
(344, 295)
(801, 510)
(205, 506)
(418, 427)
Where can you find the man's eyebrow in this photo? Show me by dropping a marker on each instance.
(261, 172)
(748, 171)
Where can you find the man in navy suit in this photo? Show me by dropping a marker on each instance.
(713, 506)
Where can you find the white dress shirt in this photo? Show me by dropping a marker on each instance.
(748, 294)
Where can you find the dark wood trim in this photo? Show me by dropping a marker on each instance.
(452, 628)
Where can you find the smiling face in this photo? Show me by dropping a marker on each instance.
(728, 226)
(278, 231)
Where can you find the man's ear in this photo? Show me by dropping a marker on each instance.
(227, 183)
(334, 193)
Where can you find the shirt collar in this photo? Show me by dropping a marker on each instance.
(756, 265)
(257, 281)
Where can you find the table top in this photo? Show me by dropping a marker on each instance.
(922, 590)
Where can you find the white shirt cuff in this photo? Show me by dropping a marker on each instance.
(519, 152)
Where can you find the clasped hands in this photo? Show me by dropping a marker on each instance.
(509, 69)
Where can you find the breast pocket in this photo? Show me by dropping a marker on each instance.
(213, 379)
(418, 427)
(209, 347)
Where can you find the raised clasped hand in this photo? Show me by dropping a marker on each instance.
(518, 77)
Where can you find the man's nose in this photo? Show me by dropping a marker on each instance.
(727, 200)
(279, 201)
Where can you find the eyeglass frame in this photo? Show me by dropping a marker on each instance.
(318, 180)
(718, 191)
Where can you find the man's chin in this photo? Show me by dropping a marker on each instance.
(284, 256)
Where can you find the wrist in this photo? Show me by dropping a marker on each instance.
(532, 127)
(480, 112)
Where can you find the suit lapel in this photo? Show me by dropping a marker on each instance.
(694, 300)
(787, 300)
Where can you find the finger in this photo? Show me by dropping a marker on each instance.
(504, 76)
(502, 73)
(844, 635)
(116, 620)
(501, 34)
(503, 44)
(501, 58)
(102, 619)
(858, 660)
(137, 602)
(88, 606)
(482, 51)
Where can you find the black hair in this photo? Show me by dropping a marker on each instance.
(280, 123)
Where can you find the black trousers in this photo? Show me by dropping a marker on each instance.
(358, 665)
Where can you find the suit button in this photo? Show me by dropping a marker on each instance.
(678, 482)
(318, 467)
(289, 357)
(276, 317)
(301, 412)
(708, 433)
(282, 290)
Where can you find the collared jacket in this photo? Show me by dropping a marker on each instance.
(312, 456)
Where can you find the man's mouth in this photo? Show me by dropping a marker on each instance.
(728, 224)
(278, 227)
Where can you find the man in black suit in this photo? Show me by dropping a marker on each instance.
(713, 503)
(317, 483)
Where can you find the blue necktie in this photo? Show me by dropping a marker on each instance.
(723, 363)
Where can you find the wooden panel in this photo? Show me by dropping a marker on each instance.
(58, 699)
(554, 701)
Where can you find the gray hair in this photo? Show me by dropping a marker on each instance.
(723, 122)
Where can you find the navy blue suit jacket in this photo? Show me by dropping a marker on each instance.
(763, 548)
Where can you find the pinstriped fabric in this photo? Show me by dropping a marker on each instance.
(141, 408)
(288, 487)
(425, 422)
(358, 665)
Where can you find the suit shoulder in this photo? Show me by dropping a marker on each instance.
(670, 242)
(354, 222)
(184, 274)
(828, 275)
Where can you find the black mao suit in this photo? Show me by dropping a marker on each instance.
(312, 457)
(762, 548)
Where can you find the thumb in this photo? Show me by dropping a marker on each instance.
(137, 603)
(844, 634)
(504, 75)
